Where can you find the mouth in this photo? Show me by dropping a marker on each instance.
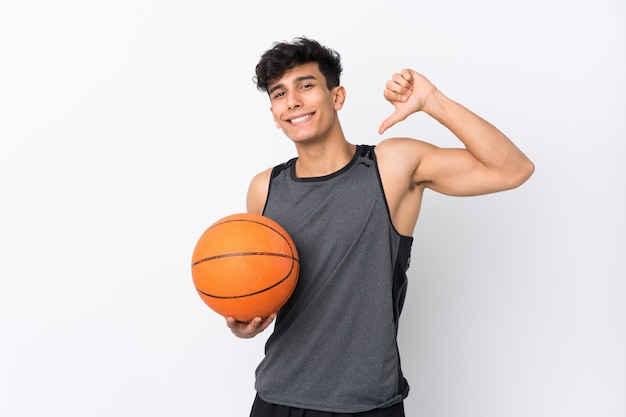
(300, 119)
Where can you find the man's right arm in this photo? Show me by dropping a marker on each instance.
(255, 202)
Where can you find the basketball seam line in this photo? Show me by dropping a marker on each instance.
(228, 255)
(252, 293)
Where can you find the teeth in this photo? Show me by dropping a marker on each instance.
(300, 119)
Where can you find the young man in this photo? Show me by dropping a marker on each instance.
(351, 210)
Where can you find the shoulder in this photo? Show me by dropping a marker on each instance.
(263, 176)
(397, 146)
(257, 191)
(402, 153)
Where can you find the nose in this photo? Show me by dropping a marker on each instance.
(293, 101)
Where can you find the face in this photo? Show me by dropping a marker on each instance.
(302, 105)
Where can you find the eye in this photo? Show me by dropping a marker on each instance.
(306, 86)
(279, 94)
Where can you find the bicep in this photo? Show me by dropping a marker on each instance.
(456, 172)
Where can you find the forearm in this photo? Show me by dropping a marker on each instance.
(483, 140)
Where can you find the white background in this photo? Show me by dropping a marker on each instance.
(127, 127)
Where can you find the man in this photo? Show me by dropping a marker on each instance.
(351, 210)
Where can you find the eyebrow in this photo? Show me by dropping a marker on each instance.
(297, 80)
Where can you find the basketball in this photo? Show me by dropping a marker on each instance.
(245, 266)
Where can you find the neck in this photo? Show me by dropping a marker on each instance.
(320, 159)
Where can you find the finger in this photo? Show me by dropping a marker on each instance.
(407, 74)
(266, 322)
(398, 85)
(254, 324)
(390, 121)
(393, 96)
(238, 326)
(403, 81)
(230, 322)
(248, 329)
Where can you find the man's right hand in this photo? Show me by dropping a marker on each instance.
(249, 329)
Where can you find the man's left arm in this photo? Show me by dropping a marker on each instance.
(490, 161)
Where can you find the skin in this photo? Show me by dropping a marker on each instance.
(307, 112)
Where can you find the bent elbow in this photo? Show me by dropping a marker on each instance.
(529, 169)
(524, 171)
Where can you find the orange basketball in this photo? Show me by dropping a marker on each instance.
(245, 266)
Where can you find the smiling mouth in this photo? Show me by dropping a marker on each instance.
(300, 119)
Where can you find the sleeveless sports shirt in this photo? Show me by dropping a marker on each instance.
(334, 343)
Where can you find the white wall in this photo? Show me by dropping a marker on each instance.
(127, 127)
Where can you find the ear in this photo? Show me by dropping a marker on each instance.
(339, 97)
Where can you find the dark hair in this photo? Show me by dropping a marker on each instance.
(284, 56)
